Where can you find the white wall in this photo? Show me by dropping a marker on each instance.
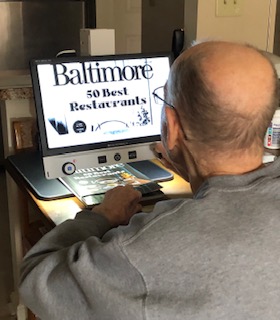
(125, 17)
(254, 26)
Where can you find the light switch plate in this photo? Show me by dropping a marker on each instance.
(229, 8)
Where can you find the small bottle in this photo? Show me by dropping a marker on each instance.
(272, 136)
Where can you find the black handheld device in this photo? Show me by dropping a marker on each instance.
(152, 170)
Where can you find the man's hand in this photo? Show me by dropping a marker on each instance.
(119, 205)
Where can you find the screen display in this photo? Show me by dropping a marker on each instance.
(98, 101)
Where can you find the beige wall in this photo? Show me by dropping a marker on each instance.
(255, 25)
(141, 25)
(124, 16)
(105, 14)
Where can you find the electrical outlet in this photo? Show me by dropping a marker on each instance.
(229, 8)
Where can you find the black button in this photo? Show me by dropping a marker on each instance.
(132, 155)
(117, 157)
(102, 159)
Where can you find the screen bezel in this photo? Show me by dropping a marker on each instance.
(46, 151)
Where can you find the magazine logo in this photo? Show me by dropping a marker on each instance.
(88, 73)
(79, 126)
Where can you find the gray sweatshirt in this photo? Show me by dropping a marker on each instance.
(216, 256)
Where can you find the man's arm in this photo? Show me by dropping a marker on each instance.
(71, 272)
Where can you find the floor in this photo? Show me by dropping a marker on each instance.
(6, 278)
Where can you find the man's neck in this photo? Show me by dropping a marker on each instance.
(237, 167)
(216, 166)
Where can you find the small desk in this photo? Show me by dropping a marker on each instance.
(24, 207)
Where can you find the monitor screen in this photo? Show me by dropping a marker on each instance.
(94, 111)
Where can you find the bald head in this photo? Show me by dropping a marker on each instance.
(241, 77)
(226, 94)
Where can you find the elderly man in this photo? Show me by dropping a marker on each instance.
(215, 256)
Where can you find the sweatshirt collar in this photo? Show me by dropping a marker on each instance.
(233, 181)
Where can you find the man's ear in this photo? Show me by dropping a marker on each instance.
(172, 128)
